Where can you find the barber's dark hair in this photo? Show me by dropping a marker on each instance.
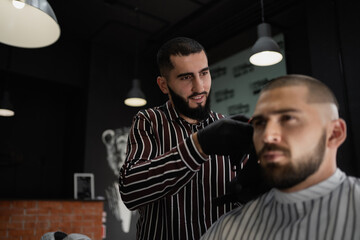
(180, 46)
(317, 90)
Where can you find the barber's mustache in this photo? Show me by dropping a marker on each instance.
(272, 147)
(196, 94)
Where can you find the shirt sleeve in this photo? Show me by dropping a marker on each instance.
(147, 176)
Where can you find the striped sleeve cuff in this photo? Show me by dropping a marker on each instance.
(190, 155)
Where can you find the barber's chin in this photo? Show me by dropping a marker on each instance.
(196, 104)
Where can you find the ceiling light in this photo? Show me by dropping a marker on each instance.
(135, 97)
(265, 51)
(28, 23)
(18, 4)
(6, 108)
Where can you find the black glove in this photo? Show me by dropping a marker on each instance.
(227, 136)
(248, 184)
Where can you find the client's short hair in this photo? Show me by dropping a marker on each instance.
(317, 91)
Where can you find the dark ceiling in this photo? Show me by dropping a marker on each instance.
(125, 24)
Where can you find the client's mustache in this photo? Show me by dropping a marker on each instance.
(273, 147)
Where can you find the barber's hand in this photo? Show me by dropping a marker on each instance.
(227, 136)
(249, 182)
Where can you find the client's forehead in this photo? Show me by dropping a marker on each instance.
(295, 98)
(282, 97)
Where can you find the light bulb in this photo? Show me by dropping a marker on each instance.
(6, 113)
(18, 4)
(135, 102)
(266, 58)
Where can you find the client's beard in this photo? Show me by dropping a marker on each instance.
(297, 170)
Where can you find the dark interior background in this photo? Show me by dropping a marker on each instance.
(68, 93)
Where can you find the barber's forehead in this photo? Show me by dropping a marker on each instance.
(191, 60)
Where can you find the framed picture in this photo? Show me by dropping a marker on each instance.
(84, 186)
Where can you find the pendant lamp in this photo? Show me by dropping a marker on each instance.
(6, 108)
(28, 23)
(135, 97)
(265, 51)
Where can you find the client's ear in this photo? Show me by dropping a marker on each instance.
(338, 134)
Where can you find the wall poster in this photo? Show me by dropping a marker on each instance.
(115, 141)
(236, 82)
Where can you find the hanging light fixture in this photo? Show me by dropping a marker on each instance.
(135, 97)
(265, 51)
(6, 108)
(28, 23)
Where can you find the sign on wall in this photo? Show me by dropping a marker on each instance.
(236, 82)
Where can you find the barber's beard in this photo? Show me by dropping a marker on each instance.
(182, 106)
(297, 170)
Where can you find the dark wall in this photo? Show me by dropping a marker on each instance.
(334, 60)
(38, 154)
(349, 63)
(43, 144)
(109, 82)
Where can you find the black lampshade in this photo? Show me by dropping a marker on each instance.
(265, 51)
(6, 108)
(135, 97)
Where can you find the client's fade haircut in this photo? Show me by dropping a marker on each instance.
(318, 92)
(180, 46)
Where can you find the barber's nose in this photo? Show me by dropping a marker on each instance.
(272, 133)
(198, 84)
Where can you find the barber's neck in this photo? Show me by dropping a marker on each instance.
(189, 120)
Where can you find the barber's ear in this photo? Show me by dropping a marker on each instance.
(161, 81)
(338, 133)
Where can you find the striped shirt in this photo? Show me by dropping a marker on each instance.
(327, 210)
(166, 179)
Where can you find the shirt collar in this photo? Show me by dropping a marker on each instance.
(313, 192)
(172, 112)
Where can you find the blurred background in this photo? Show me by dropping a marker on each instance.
(67, 94)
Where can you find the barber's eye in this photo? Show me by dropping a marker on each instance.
(204, 73)
(187, 77)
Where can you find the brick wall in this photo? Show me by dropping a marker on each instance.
(30, 219)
